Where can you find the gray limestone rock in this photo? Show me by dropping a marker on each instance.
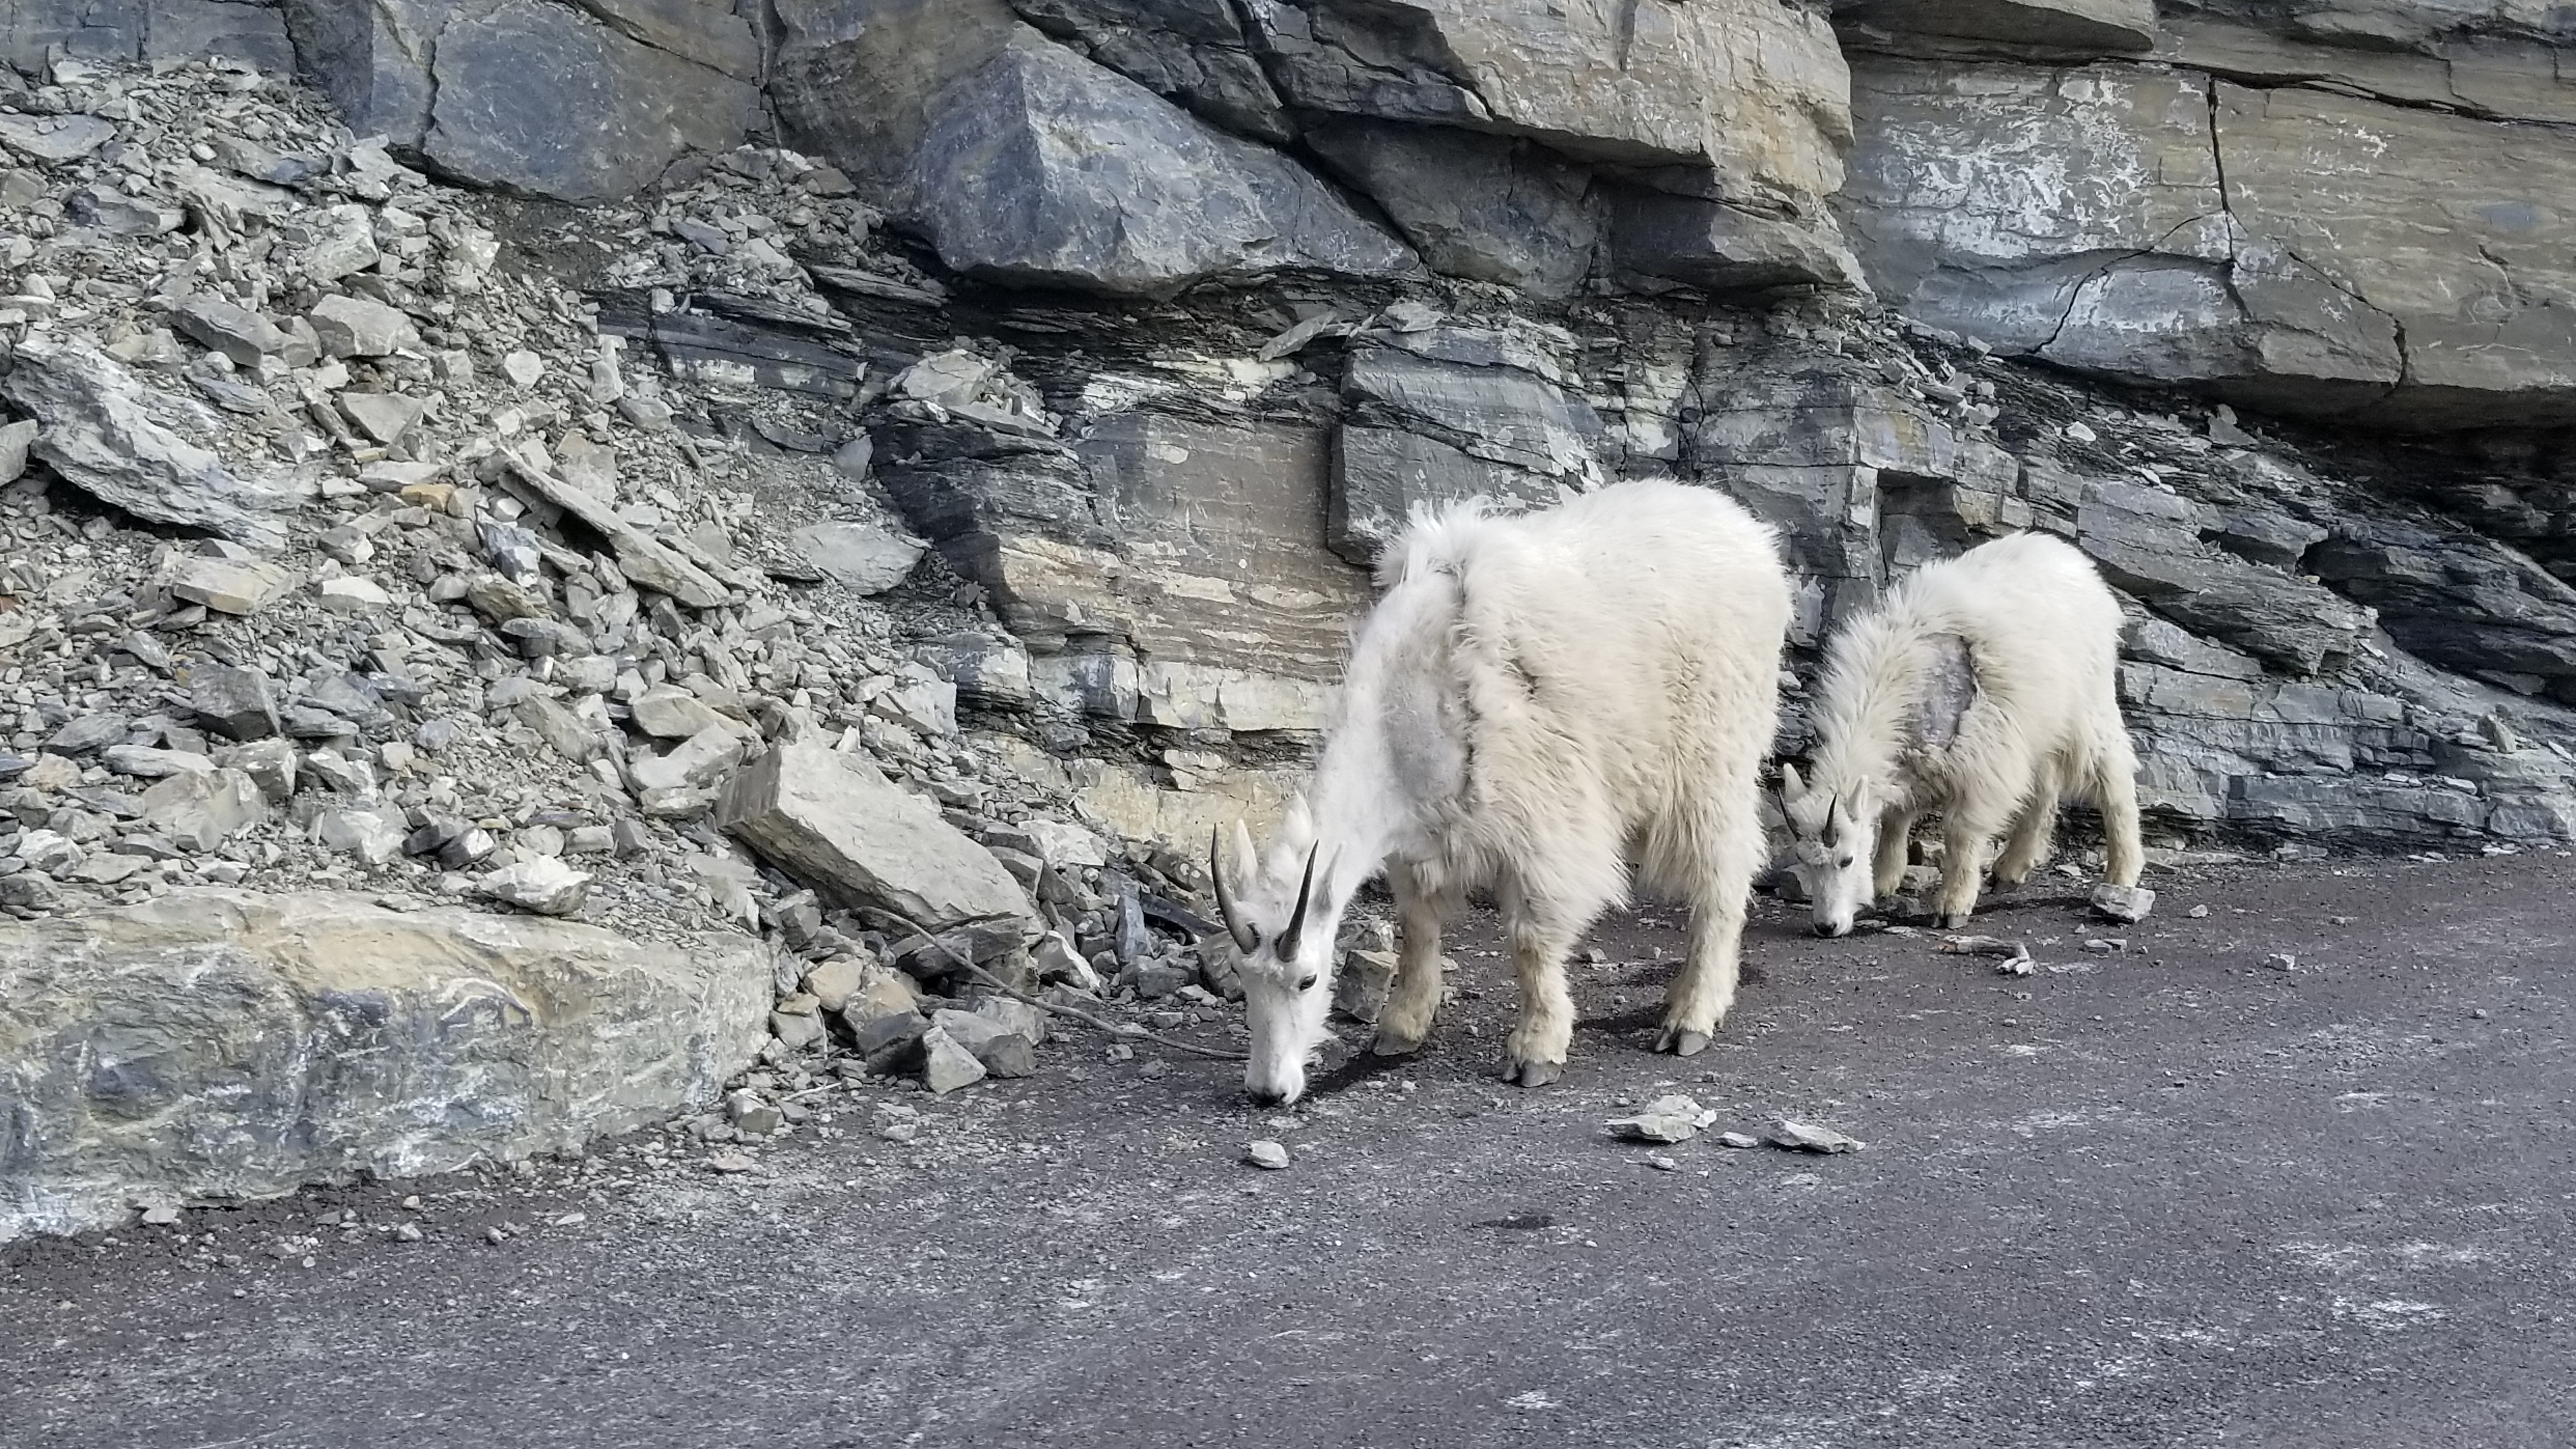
(228, 585)
(104, 431)
(535, 96)
(865, 557)
(2159, 225)
(1671, 1118)
(946, 1065)
(200, 810)
(2099, 27)
(838, 826)
(1722, 245)
(233, 330)
(218, 1045)
(360, 327)
(544, 885)
(1042, 169)
(1473, 205)
(1195, 52)
(55, 139)
(371, 836)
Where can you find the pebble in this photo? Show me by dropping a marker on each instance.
(1266, 1154)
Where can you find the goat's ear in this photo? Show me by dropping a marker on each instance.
(1855, 798)
(1791, 787)
(1296, 824)
(1245, 865)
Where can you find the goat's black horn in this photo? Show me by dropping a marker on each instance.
(1297, 918)
(1246, 939)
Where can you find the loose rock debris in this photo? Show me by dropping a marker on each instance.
(2017, 959)
(1807, 1137)
(1674, 1118)
(1267, 1155)
(2126, 904)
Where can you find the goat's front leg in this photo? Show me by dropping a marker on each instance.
(1895, 852)
(1414, 998)
(1534, 1055)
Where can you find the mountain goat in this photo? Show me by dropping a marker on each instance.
(1534, 701)
(1983, 689)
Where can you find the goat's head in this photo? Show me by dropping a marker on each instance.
(1834, 832)
(1281, 930)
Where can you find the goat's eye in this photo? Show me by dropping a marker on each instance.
(1846, 862)
(1308, 984)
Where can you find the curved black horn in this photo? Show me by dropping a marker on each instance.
(1297, 918)
(1246, 939)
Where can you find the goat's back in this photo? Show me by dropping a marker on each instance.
(2042, 629)
(1623, 646)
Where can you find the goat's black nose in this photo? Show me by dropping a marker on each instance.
(1264, 1097)
(1827, 928)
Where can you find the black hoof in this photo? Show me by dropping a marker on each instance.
(1681, 1042)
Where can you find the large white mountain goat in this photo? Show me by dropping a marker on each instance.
(1983, 689)
(1535, 701)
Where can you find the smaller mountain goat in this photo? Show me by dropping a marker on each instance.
(1533, 701)
(1983, 689)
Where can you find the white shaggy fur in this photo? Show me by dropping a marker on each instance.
(1535, 701)
(2027, 625)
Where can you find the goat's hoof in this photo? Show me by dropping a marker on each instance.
(1384, 1045)
(1955, 921)
(1681, 1041)
(1534, 1074)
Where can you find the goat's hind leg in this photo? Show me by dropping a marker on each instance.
(1965, 834)
(1421, 910)
(2032, 834)
(2115, 786)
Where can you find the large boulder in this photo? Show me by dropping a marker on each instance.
(2268, 244)
(223, 1045)
(1027, 164)
(585, 103)
(1045, 169)
(836, 824)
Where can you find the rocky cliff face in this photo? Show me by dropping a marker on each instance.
(886, 476)
(1176, 306)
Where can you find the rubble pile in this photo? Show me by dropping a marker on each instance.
(343, 556)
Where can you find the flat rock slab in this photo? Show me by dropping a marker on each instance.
(1808, 1137)
(834, 823)
(222, 1045)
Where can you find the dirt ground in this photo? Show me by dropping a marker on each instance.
(2297, 1171)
